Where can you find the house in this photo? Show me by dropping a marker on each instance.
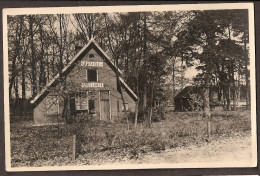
(183, 100)
(89, 84)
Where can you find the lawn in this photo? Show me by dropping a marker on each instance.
(104, 142)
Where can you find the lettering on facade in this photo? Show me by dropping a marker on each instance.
(91, 64)
(92, 85)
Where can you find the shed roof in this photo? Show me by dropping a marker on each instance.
(91, 44)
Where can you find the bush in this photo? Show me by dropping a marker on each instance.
(142, 115)
(158, 114)
(77, 123)
(158, 145)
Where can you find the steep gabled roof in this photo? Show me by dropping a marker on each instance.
(91, 44)
(128, 89)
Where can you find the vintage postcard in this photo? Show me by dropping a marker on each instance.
(130, 87)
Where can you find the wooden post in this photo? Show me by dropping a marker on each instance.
(74, 147)
(109, 99)
(209, 130)
(150, 117)
(99, 106)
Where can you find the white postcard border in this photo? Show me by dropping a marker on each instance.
(131, 8)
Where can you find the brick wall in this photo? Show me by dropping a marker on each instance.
(74, 83)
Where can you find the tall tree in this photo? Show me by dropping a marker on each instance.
(14, 49)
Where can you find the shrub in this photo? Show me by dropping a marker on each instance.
(78, 122)
(158, 144)
(158, 113)
(143, 114)
(110, 138)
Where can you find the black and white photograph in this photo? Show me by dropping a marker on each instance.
(129, 87)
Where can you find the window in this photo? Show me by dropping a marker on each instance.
(84, 102)
(92, 75)
(124, 108)
(91, 56)
(81, 101)
(91, 106)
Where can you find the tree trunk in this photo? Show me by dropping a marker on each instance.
(48, 69)
(238, 94)
(61, 48)
(219, 91)
(145, 58)
(247, 76)
(16, 88)
(33, 60)
(150, 117)
(145, 96)
(23, 87)
(210, 97)
(136, 112)
(17, 52)
(234, 89)
(123, 100)
(229, 87)
(206, 105)
(173, 81)
(42, 71)
(228, 98)
(121, 93)
(235, 97)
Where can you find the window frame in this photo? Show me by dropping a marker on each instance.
(96, 74)
(80, 100)
(91, 56)
(126, 107)
(87, 99)
(91, 111)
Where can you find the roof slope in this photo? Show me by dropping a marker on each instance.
(187, 91)
(91, 44)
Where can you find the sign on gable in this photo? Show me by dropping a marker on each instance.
(91, 64)
(92, 85)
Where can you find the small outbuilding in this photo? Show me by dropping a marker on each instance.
(90, 83)
(183, 100)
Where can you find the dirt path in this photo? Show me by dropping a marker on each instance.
(228, 150)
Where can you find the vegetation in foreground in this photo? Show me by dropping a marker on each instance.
(103, 142)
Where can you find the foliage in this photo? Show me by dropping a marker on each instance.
(77, 123)
(148, 45)
(196, 101)
(110, 142)
(158, 113)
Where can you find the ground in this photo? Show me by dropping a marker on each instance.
(180, 138)
(228, 149)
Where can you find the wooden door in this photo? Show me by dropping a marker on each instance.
(105, 105)
(105, 110)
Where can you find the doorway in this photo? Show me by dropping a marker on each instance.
(105, 110)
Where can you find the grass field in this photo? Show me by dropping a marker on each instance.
(104, 142)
